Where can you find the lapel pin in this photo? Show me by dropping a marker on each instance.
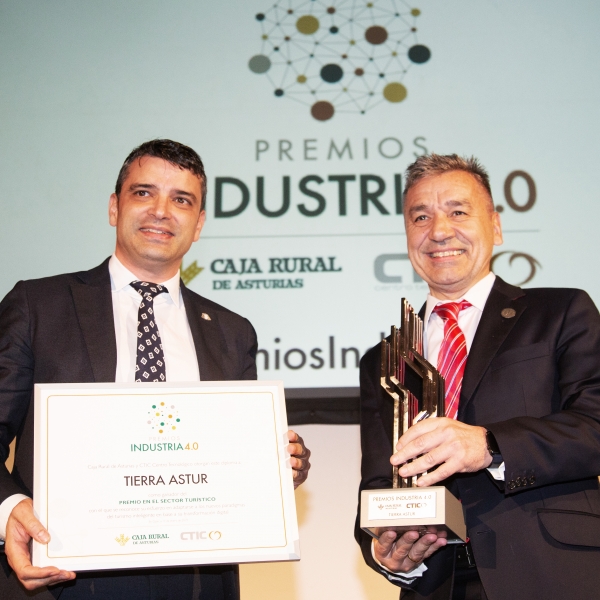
(207, 317)
(508, 313)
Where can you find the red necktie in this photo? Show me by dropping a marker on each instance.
(453, 353)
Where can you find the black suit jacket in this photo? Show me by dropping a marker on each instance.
(61, 330)
(534, 381)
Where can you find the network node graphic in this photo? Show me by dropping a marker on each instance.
(163, 418)
(339, 56)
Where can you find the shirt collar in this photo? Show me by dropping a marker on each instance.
(477, 296)
(121, 277)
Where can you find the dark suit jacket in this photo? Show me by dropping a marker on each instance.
(61, 330)
(534, 381)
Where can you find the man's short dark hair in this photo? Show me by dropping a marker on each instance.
(430, 165)
(175, 153)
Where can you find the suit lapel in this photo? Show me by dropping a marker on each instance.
(491, 333)
(93, 305)
(208, 339)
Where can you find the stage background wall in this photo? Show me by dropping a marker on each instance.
(514, 83)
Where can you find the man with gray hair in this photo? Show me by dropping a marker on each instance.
(519, 444)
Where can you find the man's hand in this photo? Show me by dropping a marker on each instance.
(20, 528)
(402, 554)
(454, 446)
(300, 455)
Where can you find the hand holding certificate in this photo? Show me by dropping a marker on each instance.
(155, 475)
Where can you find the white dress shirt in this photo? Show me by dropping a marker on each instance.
(468, 319)
(181, 363)
(433, 335)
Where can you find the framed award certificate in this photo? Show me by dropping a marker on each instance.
(163, 474)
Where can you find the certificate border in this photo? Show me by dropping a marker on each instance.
(211, 388)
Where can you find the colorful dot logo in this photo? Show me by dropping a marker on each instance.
(339, 56)
(163, 418)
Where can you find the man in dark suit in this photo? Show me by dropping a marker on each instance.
(523, 454)
(83, 327)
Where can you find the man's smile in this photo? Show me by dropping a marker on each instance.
(156, 231)
(445, 253)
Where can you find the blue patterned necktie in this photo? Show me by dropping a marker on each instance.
(150, 362)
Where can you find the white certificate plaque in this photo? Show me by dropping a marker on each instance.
(163, 474)
(416, 509)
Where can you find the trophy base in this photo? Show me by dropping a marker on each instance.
(430, 509)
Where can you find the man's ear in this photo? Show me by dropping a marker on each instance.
(498, 240)
(113, 209)
(199, 224)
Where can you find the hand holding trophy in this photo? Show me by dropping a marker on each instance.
(417, 390)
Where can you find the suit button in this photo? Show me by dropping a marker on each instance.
(518, 482)
(532, 479)
(511, 485)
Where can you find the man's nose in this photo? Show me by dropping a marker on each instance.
(441, 228)
(161, 207)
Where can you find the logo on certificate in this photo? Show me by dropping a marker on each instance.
(121, 540)
(189, 536)
(163, 418)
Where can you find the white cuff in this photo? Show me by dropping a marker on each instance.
(5, 509)
(407, 577)
(498, 472)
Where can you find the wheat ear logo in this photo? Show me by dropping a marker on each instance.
(339, 56)
(190, 272)
(121, 540)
